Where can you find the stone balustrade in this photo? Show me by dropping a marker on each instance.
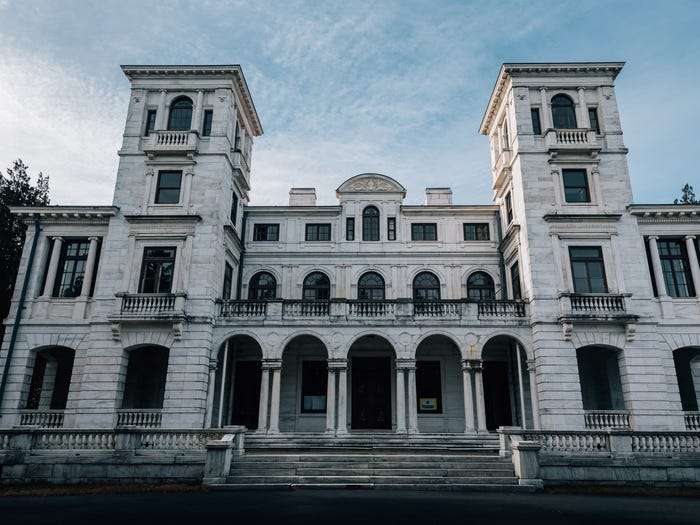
(244, 309)
(597, 303)
(692, 420)
(140, 418)
(606, 419)
(301, 309)
(574, 139)
(152, 305)
(372, 309)
(501, 309)
(167, 141)
(41, 418)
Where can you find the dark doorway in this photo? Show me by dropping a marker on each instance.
(496, 391)
(371, 392)
(246, 394)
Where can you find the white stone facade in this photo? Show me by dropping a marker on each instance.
(527, 354)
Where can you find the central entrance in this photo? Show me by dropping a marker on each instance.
(371, 392)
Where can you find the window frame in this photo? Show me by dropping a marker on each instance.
(316, 287)
(233, 214)
(321, 389)
(64, 258)
(361, 288)
(371, 231)
(593, 110)
(317, 227)
(586, 187)
(391, 228)
(172, 107)
(254, 287)
(586, 260)
(536, 119)
(508, 201)
(150, 126)
(516, 287)
(557, 111)
(159, 188)
(350, 228)
(673, 287)
(207, 121)
(476, 226)
(415, 290)
(227, 287)
(145, 259)
(268, 226)
(489, 286)
(422, 367)
(423, 228)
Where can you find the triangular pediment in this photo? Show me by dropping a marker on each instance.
(371, 183)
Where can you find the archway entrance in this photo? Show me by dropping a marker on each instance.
(371, 362)
(239, 370)
(687, 363)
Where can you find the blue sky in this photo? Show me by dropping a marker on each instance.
(396, 87)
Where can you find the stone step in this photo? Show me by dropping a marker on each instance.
(399, 472)
(454, 487)
(374, 458)
(376, 480)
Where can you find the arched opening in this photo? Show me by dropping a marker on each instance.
(239, 370)
(426, 293)
(317, 287)
(262, 287)
(601, 387)
(563, 112)
(687, 364)
(304, 385)
(180, 117)
(370, 224)
(371, 360)
(439, 385)
(49, 385)
(480, 287)
(146, 373)
(507, 394)
(370, 287)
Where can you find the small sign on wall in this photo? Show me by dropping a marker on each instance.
(428, 404)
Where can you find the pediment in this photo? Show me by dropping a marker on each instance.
(371, 183)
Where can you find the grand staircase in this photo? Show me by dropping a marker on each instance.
(372, 461)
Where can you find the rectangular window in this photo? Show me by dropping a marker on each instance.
(391, 228)
(676, 268)
(476, 231)
(424, 232)
(588, 269)
(536, 124)
(266, 232)
(168, 189)
(509, 209)
(576, 185)
(237, 138)
(71, 268)
(314, 380)
(593, 119)
(157, 270)
(234, 207)
(429, 387)
(206, 124)
(228, 281)
(350, 229)
(318, 232)
(150, 122)
(515, 281)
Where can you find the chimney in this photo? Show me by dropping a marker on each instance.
(302, 197)
(438, 196)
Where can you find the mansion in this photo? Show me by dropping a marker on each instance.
(560, 306)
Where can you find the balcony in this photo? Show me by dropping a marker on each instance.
(607, 419)
(41, 418)
(692, 420)
(486, 309)
(243, 309)
(595, 308)
(572, 140)
(305, 309)
(139, 418)
(149, 307)
(164, 142)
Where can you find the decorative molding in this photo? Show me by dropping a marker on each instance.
(582, 217)
(371, 183)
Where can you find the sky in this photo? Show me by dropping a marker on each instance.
(394, 87)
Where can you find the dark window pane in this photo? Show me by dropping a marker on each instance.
(563, 112)
(71, 268)
(426, 287)
(370, 224)
(476, 232)
(318, 232)
(370, 287)
(391, 228)
(429, 387)
(509, 209)
(262, 287)
(180, 118)
(575, 185)
(206, 124)
(480, 287)
(424, 232)
(157, 270)
(588, 269)
(676, 268)
(536, 125)
(350, 229)
(168, 188)
(317, 287)
(314, 380)
(150, 122)
(593, 118)
(266, 232)
(234, 207)
(515, 281)
(228, 280)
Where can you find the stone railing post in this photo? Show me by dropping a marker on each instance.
(526, 463)
(620, 443)
(274, 310)
(217, 463)
(338, 309)
(506, 437)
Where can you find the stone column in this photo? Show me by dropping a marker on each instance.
(468, 397)
(400, 401)
(656, 264)
(161, 121)
(275, 400)
(533, 394)
(545, 116)
(412, 403)
(521, 387)
(197, 114)
(479, 388)
(53, 267)
(342, 400)
(583, 121)
(222, 387)
(330, 401)
(210, 394)
(89, 267)
(693, 261)
(264, 390)
(148, 187)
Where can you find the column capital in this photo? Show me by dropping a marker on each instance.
(272, 364)
(653, 237)
(57, 238)
(690, 237)
(543, 89)
(94, 238)
(530, 363)
(472, 364)
(406, 364)
(337, 364)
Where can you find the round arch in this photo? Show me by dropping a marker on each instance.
(686, 361)
(180, 113)
(563, 111)
(438, 333)
(371, 333)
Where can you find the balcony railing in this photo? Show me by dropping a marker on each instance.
(243, 309)
(41, 418)
(692, 420)
(163, 141)
(152, 305)
(606, 419)
(306, 308)
(438, 309)
(371, 309)
(501, 309)
(140, 418)
(594, 303)
(575, 139)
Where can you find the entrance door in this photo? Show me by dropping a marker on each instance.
(371, 392)
(497, 395)
(246, 394)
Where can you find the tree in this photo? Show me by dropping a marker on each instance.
(16, 189)
(687, 196)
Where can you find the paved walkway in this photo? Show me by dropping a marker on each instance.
(340, 507)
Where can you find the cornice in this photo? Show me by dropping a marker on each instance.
(66, 214)
(162, 218)
(294, 211)
(583, 217)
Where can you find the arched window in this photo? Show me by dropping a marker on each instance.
(180, 118)
(370, 287)
(370, 224)
(480, 287)
(426, 287)
(262, 287)
(317, 287)
(563, 112)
